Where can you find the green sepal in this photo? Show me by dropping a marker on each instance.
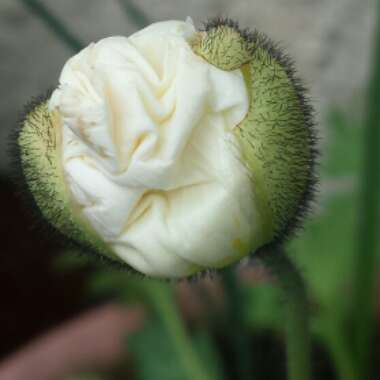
(276, 137)
(39, 149)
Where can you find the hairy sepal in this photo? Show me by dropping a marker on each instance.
(277, 136)
(39, 153)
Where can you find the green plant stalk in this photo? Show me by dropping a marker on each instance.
(54, 24)
(162, 299)
(335, 341)
(296, 310)
(238, 335)
(368, 230)
(134, 13)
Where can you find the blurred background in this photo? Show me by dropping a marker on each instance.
(49, 292)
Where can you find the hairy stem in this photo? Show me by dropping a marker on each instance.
(369, 223)
(296, 311)
(54, 24)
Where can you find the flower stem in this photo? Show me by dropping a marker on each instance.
(296, 310)
(54, 24)
(238, 336)
(162, 300)
(369, 223)
(341, 353)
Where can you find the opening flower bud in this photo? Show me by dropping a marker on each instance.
(173, 150)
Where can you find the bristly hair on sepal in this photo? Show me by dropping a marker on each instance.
(42, 226)
(276, 52)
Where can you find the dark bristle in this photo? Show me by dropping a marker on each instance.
(220, 21)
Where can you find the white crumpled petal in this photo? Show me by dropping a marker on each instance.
(148, 152)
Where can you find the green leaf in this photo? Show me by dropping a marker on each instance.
(325, 251)
(342, 153)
